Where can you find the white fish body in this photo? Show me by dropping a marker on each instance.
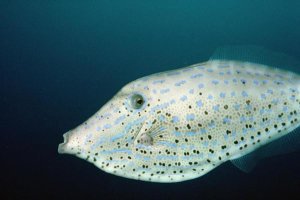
(179, 125)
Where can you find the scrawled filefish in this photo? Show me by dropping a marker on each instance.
(180, 124)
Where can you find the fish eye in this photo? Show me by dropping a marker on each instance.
(137, 101)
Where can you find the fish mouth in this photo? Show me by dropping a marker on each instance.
(62, 146)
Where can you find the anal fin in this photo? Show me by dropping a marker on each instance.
(285, 144)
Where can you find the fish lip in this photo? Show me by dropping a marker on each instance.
(62, 146)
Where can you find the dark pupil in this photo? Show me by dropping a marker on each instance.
(139, 101)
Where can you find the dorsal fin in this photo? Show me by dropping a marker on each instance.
(286, 144)
(258, 55)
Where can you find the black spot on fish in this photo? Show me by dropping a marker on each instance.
(188, 126)
(258, 132)
(266, 129)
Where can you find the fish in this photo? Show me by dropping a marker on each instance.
(180, 124)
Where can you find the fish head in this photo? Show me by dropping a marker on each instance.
(128, 134)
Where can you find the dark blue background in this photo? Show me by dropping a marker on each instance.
(61, 60)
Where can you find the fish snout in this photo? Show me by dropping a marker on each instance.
(62, 147)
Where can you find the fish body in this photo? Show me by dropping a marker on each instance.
(180, 124)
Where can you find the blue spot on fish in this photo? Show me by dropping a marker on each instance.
(117, 136)
(180, 83)
(119, 119)
(165, 157)
(163, 91)
(203, 131)
(126, 151)
(211, 124)
(265, 82)
(196, 76)
(140, 157)
(183, 98)
(172, 101)
(175, 119)
(199, 103)
(201, 85)
(107, 126)
(190, 117)
(242, 119)
(216, 108)
(215, 82)
(244, 94)
(205, 143)
(248, 107)
(162, 118)
(190, 133)
(222, 95)
(226, 138)
(161, 106)
(237, 106)
(176, 133)
(158, 81)
(226, 120)
(166, 143)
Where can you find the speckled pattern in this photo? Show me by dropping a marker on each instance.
(188, 121)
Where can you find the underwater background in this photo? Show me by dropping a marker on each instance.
(60, 61)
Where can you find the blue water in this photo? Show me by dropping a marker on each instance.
(60, 61)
